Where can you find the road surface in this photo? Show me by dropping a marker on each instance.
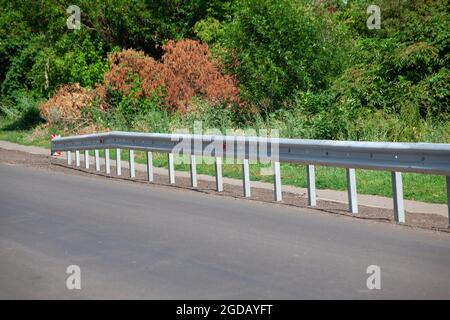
(133, 240)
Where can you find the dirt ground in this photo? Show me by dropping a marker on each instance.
(416, 220)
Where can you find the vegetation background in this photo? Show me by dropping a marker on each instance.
(309, 68)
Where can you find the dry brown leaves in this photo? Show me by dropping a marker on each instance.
(186, 70)
(66, 103)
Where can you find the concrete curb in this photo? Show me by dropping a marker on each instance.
(322, 194)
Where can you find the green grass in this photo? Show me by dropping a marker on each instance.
(420, 187)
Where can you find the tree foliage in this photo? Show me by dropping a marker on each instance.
(312, 65)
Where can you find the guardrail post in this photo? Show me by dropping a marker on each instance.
(351, 186)
(277, 181)
(397, 195)
(118, 163)
(246, 177)
(218, 166)
(131, 164)
(447, 178)
(193, 167)
(107, 164)
(69, 158)
(97, 160)
(86, 159)
(149, 166)
(77, 158)
(171, 168)
(311, 179)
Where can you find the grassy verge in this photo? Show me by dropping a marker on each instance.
(418, 187)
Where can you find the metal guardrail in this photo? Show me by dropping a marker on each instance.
(429, 158)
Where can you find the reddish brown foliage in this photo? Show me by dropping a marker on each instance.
(186, 70)
(189, 71)
(126, 65)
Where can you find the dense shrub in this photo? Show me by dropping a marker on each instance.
(132, 70)
(186, 70)
(189, 71)
(67, 104)
(282, 48)
(23, 112)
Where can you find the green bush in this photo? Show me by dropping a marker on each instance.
(283, 48)
(23, 113)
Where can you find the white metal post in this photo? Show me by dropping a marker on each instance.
(149, 166)
(447, 178)
(69, 158)
(97, 160)
(86, 159)
(219, 182)
(118, 163)
(246, 177)
(107, 163)
(171, 168)
(193, 167)
(311, 180)
(397, 194)
(351, 187)
(131, 164)
(77, 158)
(277, 181)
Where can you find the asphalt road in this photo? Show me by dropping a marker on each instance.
(145, 241)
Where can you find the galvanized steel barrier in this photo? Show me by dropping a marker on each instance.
(427, 158)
